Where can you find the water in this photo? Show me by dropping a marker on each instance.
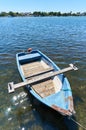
(63, 39)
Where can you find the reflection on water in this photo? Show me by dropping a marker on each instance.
(63, 39)
(18, 99)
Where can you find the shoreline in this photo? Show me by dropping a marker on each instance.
(40, 14)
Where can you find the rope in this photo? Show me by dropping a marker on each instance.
(78, 123)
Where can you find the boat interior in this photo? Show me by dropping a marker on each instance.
(35, 69)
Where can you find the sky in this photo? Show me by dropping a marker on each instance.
(43, 5)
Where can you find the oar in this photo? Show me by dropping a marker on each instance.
(12, 86)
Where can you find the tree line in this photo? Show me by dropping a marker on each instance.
(39, 14)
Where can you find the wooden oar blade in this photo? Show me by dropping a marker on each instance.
(73, 67)
(10, 87)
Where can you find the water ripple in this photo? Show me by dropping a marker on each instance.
(63, 39)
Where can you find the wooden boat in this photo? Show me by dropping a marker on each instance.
(45, 81)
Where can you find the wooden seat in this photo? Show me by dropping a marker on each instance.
(45, 88)
(41, 72)
(29, 57)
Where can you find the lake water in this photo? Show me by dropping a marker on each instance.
(63, 39)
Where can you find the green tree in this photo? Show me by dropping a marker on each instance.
(3, 14)
(12, 14)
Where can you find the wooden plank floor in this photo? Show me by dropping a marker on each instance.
(45, 88)
(32, 68)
